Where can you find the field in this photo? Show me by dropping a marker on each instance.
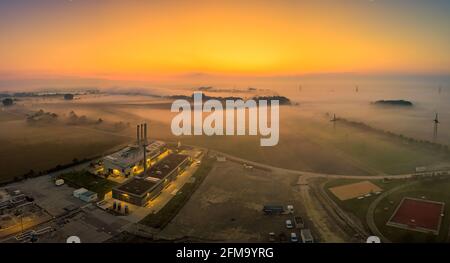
(311, 143)
(36, 149)
(354, 190)
(358, 207)
(435, 189)
(308, 141)
(228, 206)
(418, 215)
(430, 189)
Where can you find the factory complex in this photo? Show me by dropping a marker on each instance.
(141, 189)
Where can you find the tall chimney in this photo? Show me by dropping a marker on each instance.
(145, 133)
(142, 133)
(137, 134)
(144, 145)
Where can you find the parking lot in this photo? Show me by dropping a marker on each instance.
(67, 215)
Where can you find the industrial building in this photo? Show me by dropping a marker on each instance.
(140, 190)
(127, 161)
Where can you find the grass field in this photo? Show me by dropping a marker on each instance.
(317, 146)
(378, 152)
(308, 143)
(170, 210)
(89, 181)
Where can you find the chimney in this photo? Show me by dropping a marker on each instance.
(145, 133)
(137, 134)
(142, 133)
(144, 144)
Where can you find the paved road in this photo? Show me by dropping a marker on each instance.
(307, 175)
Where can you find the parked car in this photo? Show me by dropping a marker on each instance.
(271, 237)
(290, 209)
(294, 237)
(289, 224)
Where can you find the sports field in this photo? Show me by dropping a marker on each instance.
(354, 190)
(418, 215)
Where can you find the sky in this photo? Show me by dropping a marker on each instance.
(149, 39)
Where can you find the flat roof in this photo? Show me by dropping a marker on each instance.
(166, 165)
(125, 157)
(132, 154)
(137, 186)
(88, 193)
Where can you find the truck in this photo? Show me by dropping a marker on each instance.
(273, 209)
(299, 223)
(306, 236)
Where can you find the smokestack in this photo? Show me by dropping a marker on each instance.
(137, 134)
(145, 132)
(142, 133)
(144, 144)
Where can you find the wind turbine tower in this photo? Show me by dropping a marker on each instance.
(436, 122)
(334, 119)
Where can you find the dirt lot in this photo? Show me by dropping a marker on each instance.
(228, 206)
(351, 191)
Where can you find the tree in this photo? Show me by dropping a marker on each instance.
(8, 102)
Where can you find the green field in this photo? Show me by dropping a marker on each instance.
(432, 189)
(89, 181)
(317, 146)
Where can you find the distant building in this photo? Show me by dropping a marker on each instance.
(140, 190)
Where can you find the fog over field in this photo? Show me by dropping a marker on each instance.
(308, 140)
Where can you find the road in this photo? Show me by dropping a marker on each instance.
(306, 175)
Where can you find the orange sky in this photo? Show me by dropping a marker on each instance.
(143, 38)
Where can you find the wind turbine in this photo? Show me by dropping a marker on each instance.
(436, 122)
(334, 120)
